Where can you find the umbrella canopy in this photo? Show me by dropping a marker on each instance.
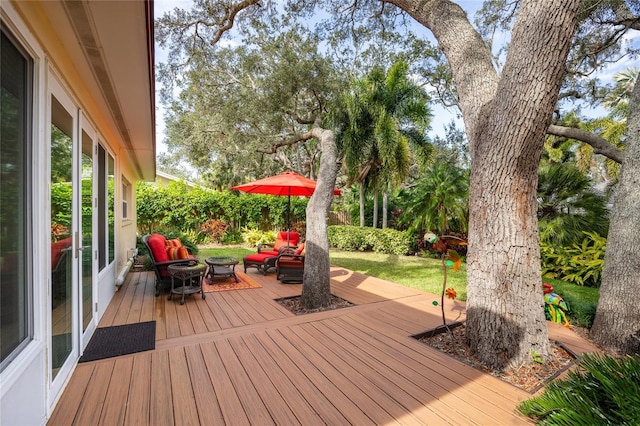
(284, 184)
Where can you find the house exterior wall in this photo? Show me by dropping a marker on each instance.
(28, 393)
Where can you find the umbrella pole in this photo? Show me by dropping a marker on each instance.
(289, 216)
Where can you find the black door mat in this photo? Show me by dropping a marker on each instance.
(119, 340)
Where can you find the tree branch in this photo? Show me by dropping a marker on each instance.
(599, 144)
(287, 142)
(227, 22)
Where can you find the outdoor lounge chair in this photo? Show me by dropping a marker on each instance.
(290, 265)
(267, 254)
(160, 258)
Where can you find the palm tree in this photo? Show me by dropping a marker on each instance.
(439, 201)
(384, 114)
(618, 99)
(568, 205)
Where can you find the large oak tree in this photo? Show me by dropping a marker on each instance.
(505, 116)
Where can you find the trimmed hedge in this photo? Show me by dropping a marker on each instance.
(179, 207)
(387, 240)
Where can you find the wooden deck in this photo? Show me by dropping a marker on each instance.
(240, 358)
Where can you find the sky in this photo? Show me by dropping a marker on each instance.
(441, 116)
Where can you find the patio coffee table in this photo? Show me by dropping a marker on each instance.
(221, 267)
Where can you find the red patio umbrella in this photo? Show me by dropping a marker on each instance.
(286, 183)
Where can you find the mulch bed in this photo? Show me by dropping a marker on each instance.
(293, 305)
(529, 378)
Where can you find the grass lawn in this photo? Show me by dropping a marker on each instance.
(410, 271)
(426, 274)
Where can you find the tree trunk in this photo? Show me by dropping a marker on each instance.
(375, 208)
(385, 206)
(361, 205)
(316, 290)
(505, 120)
(617, 322)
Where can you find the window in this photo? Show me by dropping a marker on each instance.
(106, 200)
(16, 318)
(126, 198)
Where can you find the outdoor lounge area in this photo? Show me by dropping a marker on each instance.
(239, 357)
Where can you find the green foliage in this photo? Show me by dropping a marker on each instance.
(580, 264)
(439, 201)
(186, 209)
(568, 206)
(603, 391)
(61, 194)
(537, 357)
(355, 238)
(253, 237)
(582, 301)
(232, 236)
(382, 115)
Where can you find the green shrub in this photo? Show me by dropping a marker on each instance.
(178, 206)
(580, 264)
(355, 238)
(603, 391)
(232, 236)
(253, 237)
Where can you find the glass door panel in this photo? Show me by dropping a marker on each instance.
(87, 231)
(61, 235)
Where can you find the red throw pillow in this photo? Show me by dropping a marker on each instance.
(172, 252)
(174, 243)
(300, 250)
(175, 253)
(183, 253)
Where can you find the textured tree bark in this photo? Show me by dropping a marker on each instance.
(361, 205)
(316, 289)
(374, 223)
(505, 118)
(617, 322)
(385, 207)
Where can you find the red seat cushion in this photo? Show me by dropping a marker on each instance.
(281, 239)
(157, 244)
(269, 253)
(56, 251)
(260, 257)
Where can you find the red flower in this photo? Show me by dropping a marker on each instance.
(451, 293)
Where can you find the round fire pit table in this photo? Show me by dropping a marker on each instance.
(191, 277)
(222, 267)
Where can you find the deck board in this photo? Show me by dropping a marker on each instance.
(118, 392)
(239, 357)
(139, 391)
